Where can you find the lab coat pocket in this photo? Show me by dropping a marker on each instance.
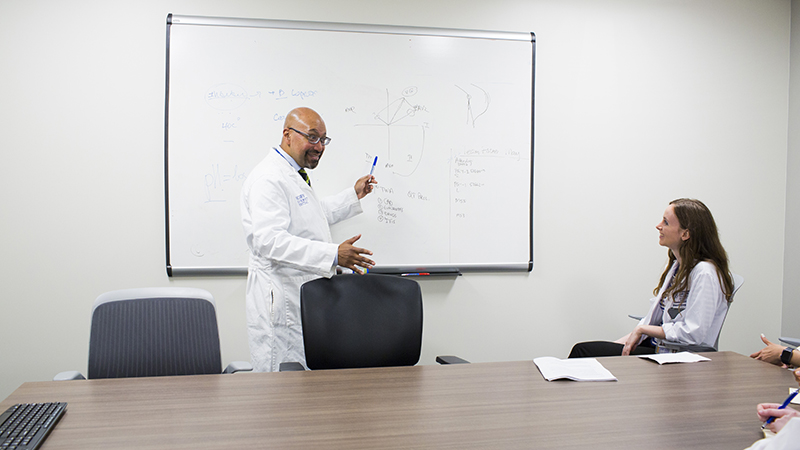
(290, 299)
(260, 305)
(276, 305)
(271, 311)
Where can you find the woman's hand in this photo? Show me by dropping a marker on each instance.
(636, 335)
(623, 339)
(771, 353)
(633, 341)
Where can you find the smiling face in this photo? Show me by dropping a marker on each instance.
(670, 232)
(299, 121)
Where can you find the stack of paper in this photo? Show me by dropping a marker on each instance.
(578, 369)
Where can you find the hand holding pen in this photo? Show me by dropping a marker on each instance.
(366, 184)
(770, 412)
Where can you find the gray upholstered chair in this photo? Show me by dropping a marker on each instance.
(151, 332)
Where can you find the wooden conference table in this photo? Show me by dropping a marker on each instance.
(706, 405)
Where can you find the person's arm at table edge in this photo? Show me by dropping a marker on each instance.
(772, 353)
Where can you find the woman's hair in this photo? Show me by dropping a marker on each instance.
(703, 245)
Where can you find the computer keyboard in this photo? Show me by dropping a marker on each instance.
(25, 426)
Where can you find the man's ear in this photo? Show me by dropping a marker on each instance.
(286, 138)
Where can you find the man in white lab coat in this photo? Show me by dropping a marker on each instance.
(288, 232)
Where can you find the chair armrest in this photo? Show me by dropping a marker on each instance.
(238, 366)
(291, 367)
(677, 346)
(448, 359)
(794, 342)
(68, 375)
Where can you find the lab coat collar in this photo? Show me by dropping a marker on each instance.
(288, 158)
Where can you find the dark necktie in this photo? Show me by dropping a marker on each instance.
(303, 174)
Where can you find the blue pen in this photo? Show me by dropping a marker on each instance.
(373, 166)
(783, 406)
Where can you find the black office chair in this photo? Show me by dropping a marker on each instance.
(352, 321)
(154, 332)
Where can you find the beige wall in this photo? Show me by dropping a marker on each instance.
(637, 103)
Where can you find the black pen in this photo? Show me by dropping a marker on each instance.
(783, 406)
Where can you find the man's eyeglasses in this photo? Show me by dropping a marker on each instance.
(313, 139)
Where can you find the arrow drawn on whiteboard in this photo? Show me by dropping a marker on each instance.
(399, 109)
(394, 118)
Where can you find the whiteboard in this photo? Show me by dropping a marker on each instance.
(448, 113)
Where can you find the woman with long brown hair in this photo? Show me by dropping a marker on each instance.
(693, 293)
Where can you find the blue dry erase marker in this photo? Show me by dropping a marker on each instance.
(373, 165)
(783, 406)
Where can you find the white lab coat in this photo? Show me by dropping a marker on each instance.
(288, 233)
(705, 308)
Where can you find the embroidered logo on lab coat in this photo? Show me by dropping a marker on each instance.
(301, 200)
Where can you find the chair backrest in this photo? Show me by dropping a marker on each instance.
(354, 321)
(154, 332)
(677, 346)
(738, 281)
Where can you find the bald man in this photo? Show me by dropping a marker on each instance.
(288, 232)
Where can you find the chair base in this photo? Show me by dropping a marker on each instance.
(291, 367)
(449, 359)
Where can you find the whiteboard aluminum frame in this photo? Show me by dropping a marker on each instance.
(182, 20)
(348, 27)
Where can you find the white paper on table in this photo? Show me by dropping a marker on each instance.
(577, 369)
(672, 358)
